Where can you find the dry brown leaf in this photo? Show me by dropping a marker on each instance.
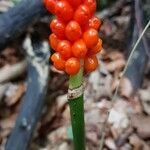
(142, 125)
(145, 94)
(50, 114)
(126, 147)
(113, 55)
(115, 65)
(135, 103)
(58, 135)
(61, 101)
(122, 139)
(16, 95)
(108, 28)
(98, 85)
(6, 125)
(109, 142)
(138, 144)
(126, 88)
(145, 99)
(66, 115)
(3, 89)
(92, 137)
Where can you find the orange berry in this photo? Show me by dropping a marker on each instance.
(53, 40)
(91, 5)
(96, 49)
(59, 63)
(72, 66)
(64, 48)
(58, 28)
(82, 14)
(64, 10)
(90, 64)
(50, 5)
(90, 37)
(95, 22)
(75, 3)
(79, 49)
(73, 31)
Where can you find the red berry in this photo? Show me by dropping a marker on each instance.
(59, 63)
(73, 31)
(82, 14)
(91, 5)
(72, 66)
(64, 10)
(79, 49)
(90, 64)
(95, 22)
(50, 5)
(64, 48)
(53, 40)
(96, 49)
(58, 27)
(90, 37)
(75, 3)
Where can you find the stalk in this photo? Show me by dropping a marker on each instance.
(76, 103)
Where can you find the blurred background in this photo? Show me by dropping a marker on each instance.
(34, 114)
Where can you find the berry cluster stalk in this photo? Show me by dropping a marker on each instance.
(76, 103)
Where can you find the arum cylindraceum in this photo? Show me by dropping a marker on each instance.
(75, 41)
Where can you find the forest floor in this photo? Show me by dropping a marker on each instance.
(128, 126)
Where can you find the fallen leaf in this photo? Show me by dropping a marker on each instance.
(115, 65)
(109, 142)
(126, 88)
(145, 99)
(58, 135)
(118, 115)
(142, 125)
(14, 96)
(138, 143)
(113, 55)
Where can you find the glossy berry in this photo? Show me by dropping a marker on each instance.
(79, 49)
(59, 63)
(95, 23)
(73, 31)
(96, 49)
(75, 3)
(64, 10)
(90, 37)
(74, 34)
(72, 66)
(53, 40)
(64, 48)
(91, 4)
(90, 64)
(82, 14)
(50, 5)
(58, 27)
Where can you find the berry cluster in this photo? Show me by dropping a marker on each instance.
(74, 34)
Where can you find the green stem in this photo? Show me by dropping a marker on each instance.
(76, 104)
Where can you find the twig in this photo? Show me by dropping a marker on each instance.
(33, 101)
(14, 22)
